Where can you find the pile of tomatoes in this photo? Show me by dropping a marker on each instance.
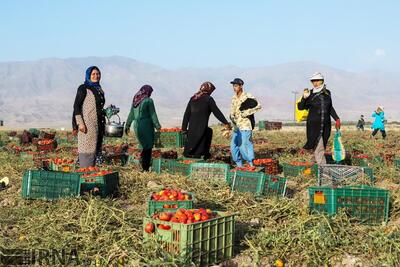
(187, 161)
(59, 161)
(46, 142)
(170, 195)
(246, 169)
(170, 130)
(361, 156)
(302, 164)
(263, 161)
(170, 154)
(183, 216)
(96, 174)
(155, 154)
(88, 169)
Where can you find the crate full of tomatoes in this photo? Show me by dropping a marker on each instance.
(169, 200)
(63, 165)
(46, 145)
(271, 165)
(169, 137)
(201, 236)
(103, 183)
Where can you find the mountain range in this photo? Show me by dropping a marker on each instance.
(41, 93)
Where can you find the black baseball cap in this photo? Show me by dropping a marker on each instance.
(237, 81)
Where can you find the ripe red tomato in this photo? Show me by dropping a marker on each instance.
(149, 228)
(165, 216)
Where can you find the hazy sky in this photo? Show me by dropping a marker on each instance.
(353, 35)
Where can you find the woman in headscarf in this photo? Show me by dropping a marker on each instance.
(88, 117)
(379, 122)
(143, 115)
(197, 114)
(318, 102)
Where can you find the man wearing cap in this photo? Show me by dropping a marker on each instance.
(318, 102)
(243, 108)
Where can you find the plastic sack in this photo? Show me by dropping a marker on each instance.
(301, 115)
(338, 152)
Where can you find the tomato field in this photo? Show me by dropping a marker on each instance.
(269, 231)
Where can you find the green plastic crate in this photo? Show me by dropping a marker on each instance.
(343, 175)
(178, 167)
(209, 171)
(159, 165)
(370, 173)
(366, 204)
(34, 131)
(169, 139)
(133, 160)
(231, 173)
(50, 185)
(24, 156)
(62, 167)
(158, 206)
(396, 162)
(275, 186)
(203, 243)
(174, 166)
(253, 182)
(103, 186)
(322, 199)
(294, 171)
(261, 125)
(362, 162)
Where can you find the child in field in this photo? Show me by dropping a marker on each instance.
(379, 123)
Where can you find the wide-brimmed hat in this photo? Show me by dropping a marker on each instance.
(316, 77)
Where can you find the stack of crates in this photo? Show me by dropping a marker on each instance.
(203, 243)
(269, 125)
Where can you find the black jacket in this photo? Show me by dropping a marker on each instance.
(320, 110)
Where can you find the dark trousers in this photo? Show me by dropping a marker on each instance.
(382, 131)
(145, 159)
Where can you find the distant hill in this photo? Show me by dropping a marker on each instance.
(41, 93)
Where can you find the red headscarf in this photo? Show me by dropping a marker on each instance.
(142, 94)
(205, 89)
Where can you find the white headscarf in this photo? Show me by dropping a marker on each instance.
(318, 89)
